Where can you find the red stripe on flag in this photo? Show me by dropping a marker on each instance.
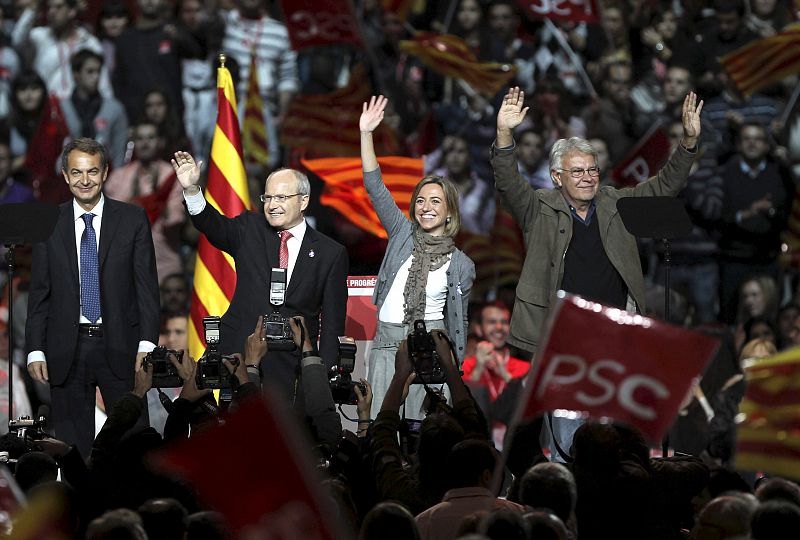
(230, 204)
(763, 448)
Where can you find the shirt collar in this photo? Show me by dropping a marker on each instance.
(299, 230)
(752, 171)
(589, 213)
(78, 211)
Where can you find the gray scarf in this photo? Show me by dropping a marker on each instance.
(429, 254)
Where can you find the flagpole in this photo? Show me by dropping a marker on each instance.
(448, 18)
(787, 111)
(572, 56)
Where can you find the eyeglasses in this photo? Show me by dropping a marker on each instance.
(278, 198)
(577, 172)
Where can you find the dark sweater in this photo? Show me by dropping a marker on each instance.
(587, 270)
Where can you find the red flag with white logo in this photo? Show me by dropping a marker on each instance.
(609, 363)
(563, 10)
(320, 22)
(649, 154)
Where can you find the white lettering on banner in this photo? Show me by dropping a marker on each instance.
(369, 282)
(638, 169)
(629, 386)
(555, 7)
(552, 368)
(594, 376)
(328, 26)
(565, 370)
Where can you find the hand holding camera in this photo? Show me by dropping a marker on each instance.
(363, 394)
(300, 336)
(189, 390)
(427, 353)
(237, 367)
(165, 366)
(256, 346)
(143, 380)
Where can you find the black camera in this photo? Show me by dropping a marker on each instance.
(211, 372)
(341, 381)
(423, 356)
(278, 332)
(165, 375)
(27, 428)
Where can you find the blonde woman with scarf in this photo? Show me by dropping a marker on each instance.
(423, 275)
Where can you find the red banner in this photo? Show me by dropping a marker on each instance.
(649, 154)
(320, 22)
(609, 363)
(562, 10)
(255, 469)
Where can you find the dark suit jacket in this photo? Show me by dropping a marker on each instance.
(318, 285)
(129, 297)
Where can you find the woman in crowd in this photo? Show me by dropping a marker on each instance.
(423, 275)
(758, 297)
(28, 96)
(157, 108)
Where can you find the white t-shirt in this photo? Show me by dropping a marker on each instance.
(435, 294)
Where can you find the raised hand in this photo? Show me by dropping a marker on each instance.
(690, 117)
(372, 113)
(256, 344)
(512, 112)
(187, 171)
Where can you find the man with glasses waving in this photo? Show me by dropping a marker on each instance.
(316, 266)
(576, 240)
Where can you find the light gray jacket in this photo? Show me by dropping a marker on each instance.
(460, 274)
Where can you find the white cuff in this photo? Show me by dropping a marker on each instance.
(146, 346)
(195, 203)
(36, 356)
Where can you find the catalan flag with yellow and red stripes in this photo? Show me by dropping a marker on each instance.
(768, 439)
(344, 187)
(254, 130)
(215, 271)
(327, 124)
(765, 61)
(498, 256)
(451, 56)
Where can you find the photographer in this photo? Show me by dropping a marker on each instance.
(192, 406)
(198, 406)
(317, 403)
(423, 486)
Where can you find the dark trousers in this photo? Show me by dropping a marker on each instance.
(73, 403)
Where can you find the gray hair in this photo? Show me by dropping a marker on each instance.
(303, 185)
(562, 147)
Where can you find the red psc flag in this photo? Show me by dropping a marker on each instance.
(609, 363)
(320, 22)
(562, 10)
(643, 161)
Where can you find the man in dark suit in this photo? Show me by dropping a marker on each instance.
(316, 266)
(93, 304)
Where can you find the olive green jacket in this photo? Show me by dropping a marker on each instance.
(546, 222)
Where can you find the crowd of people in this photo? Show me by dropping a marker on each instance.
(104, 104)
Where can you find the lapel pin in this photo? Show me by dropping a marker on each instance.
(311, 253)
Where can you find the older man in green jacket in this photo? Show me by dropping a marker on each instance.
(574, 236)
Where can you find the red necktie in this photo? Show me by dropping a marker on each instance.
(283, 256)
